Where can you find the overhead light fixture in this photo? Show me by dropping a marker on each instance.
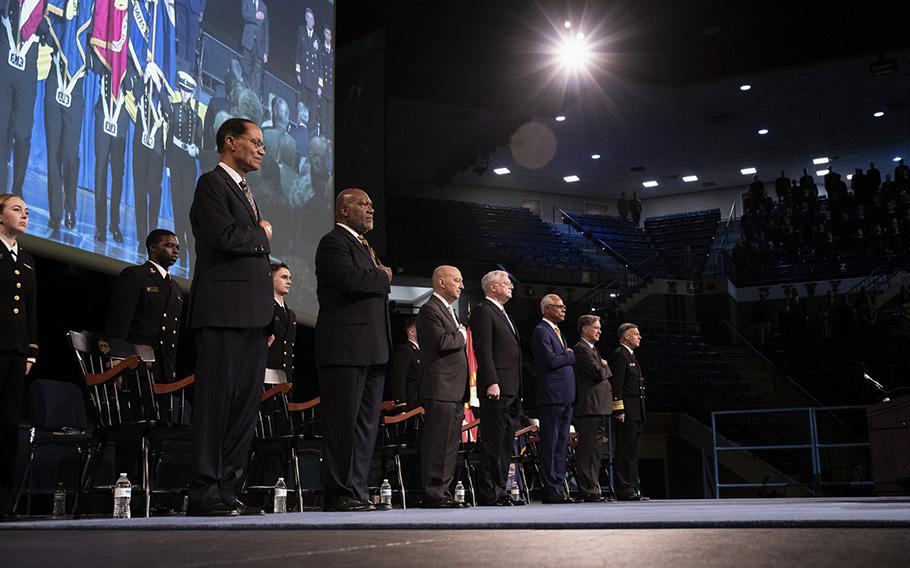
(820, 161)
(595, 156)
(821, 173)
(649, 183)
(763, 131)
(896, 159)
(579, 36)
(849, 177)
(501, 171)
(560, 118)
(567, 24)
(571, 179)
(745, 87)
(689, 179)
(878, 113)
(748, 171)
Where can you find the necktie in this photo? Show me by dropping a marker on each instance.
(366, 243)
(248, 193)
(559, 335)
(508, 319)
(14, 256)
(596, 353)
(454, 315)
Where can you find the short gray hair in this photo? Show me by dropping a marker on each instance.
(586, 320)
(624, 328)
(547, 300)
(491, 278)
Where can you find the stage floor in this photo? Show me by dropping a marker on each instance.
(725, 513)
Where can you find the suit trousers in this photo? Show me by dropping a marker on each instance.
(439, 447)
(350, 398)
(183, 175)
(12, 378)
(592, 431)
(62, 129)
(554, 446)
(230, 370)
(497, 441)
(18, 91)
(148, 170)
(625, 456)
(108, 149)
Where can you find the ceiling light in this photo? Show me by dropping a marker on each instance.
(501, 171)
(878, 114)
(763, 131)
(595, 156)
(820, 161)
(571, 179)
(650, 183)
(849, 177)
(567, 24)
(748, 171)
(579, 36)
(896, 159)
(745, 87)
(688, 179)
(560, 118)
(821, 173)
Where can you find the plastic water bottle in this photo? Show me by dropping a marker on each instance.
(516, 495)
(459, 492)
(281, 497)
(59, 502)
(123, 491)
(385, 493)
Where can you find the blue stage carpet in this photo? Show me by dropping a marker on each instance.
(727, 513)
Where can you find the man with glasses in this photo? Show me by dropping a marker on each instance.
(230, 311)
(553, 362)
(498, 351)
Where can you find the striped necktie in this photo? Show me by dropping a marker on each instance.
(366, 243)
(248, 193)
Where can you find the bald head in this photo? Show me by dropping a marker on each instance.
(447, 282)
(354, 208)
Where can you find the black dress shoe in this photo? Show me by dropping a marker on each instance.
(69, 221)
(210, 509)
(53, 224)
(347, 504)
(592, 498)
(501, 502)
(116, 234)
(633, 497)
(100, 236)
(443, 504)
(246, 510)
(9, 517)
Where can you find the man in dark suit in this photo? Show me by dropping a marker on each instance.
(443, 386)
(254, 42)
(147, 304)
(593, 405)
(498, 351)
(553, 362)
(629, 409)
(230, 311)
(405, 372)
(352, 348)
(280, 361)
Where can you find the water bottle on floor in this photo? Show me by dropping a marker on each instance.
(385, 493)
(59, 501)
(516, 494)
(459, 492)
(281, 497)
(123, 491)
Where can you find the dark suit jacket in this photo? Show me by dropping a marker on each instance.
(281, 352)
(352, 328)
(146, 309)
(628, 384)
(444, 370)
(552, 367)
(18, 303)
(497, 349)
(404, 376)
(308, 58)
(593, 391)
(255, 32)
(232, 281)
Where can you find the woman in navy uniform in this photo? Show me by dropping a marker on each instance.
(18, 337)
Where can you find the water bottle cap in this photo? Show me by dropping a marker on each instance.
(280, 479)
(122, 475)
(385, 480)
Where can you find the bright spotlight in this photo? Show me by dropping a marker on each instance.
(573, 53)
(560, 118)
(567, 24)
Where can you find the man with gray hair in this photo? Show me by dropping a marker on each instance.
(498, 351)
(553, 362)
(443, 386)
(629, 409)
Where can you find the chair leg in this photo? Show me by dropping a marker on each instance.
(26, 475)
(295, 462)
(467, 473)
(404, 503)
(78, 490)
(524, 482)
(145, 478)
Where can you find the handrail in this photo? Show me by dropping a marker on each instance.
(879, 270)
(579, 227)
(723, 239)
(771, 363)
(630, 272)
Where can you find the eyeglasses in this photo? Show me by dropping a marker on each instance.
(257, 143)
(559, 307)
(506, 284)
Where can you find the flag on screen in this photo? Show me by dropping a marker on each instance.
(110, 39)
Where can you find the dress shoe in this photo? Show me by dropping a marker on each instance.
(246, 510)
(100, 236)
(210, 509)
(633, 497)
(592, 498)
(53, 224)
(443, 504)
(116, 234)
(501, 502)
(69, 221)
(518, 502)
(9, 516)
(347, 504)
